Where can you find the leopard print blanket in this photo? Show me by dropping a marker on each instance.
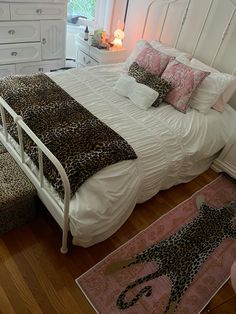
(81, 142)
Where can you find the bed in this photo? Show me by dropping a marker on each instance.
(171, 147)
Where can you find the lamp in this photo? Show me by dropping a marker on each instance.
(118, 37)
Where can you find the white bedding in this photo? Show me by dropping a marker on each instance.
(172, 147)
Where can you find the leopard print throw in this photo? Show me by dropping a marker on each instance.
(81, 142)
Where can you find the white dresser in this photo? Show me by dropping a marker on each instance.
(88, 55)
(32, 36)
(227, 160)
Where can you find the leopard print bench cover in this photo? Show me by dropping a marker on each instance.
(17, 195)
(2, 149)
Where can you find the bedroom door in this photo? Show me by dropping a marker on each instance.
(53, 39)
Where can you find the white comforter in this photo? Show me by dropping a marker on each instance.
(172, 147)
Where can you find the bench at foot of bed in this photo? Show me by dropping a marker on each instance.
(17, 194)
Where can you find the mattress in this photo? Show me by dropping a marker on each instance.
(172, 148)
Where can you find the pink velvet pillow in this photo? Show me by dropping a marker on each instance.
(184, 81)
(153, 60)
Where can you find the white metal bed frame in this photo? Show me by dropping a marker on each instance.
(61, 215)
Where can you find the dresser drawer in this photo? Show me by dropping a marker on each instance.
(4, 11)
(83, 45)
(7, 70)
(37, 11)
(85, 60)
(15, 32)
(15, 53)
(34, 67)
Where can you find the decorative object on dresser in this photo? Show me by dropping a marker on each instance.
(176, 265)
(32, 36)
(89, 55)
(227, 159)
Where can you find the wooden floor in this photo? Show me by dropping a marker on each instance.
(36, 278)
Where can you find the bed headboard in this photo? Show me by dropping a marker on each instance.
(204, 28)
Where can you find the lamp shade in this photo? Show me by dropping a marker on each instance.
(118, 37)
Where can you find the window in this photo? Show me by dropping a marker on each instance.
(94, 13)
(81, 8)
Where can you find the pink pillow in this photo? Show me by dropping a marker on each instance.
(153, 60)
(184, 80)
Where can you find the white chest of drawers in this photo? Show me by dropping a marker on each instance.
(88, 55)
(227, 160)
(32, 36)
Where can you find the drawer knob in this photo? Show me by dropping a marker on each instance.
(40, 69)
(39, 11)
(44, 41)
(14, 53)
(11, 32)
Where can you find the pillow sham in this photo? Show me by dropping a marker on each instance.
(209, 92)
(137, 72)
(184, 80)
(153, 60)
(173, 52)
(156, 83)
(226, 82)
(139, 46)
(141, 95)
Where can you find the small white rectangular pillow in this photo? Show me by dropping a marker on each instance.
(141, 95)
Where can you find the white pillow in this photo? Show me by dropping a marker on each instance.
(141, 95)
(139, 46)
(170, 51)
(210, 89)
(124, 84)
(229, 81)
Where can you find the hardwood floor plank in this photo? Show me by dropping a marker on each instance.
(18, 280)
(6, 306)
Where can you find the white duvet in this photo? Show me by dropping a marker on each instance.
(172, 147)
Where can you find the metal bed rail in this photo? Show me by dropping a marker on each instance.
(61, 215)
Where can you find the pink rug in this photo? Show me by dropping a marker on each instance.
(103, 289)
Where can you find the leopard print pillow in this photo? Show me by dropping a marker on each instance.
(157, 83)
(138, 72)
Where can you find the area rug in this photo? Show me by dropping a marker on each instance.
(176, 265)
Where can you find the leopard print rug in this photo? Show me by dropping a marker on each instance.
(180, 256)
(81, 142)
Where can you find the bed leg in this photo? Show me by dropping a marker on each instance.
(64, 247)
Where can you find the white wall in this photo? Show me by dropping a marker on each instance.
(134, 21)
